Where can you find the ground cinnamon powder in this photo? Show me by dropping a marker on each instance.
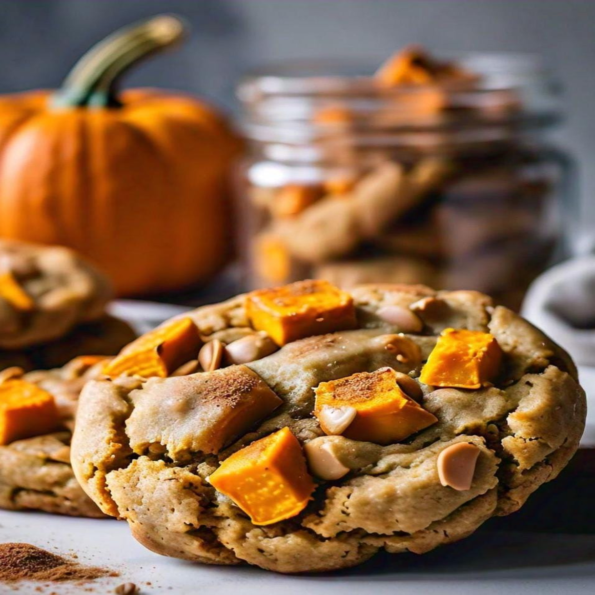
(23, 561)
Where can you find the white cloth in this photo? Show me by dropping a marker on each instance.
(561, 302)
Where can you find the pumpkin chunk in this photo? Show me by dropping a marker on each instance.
(271, 259)
(409, 67)
(291, 200)
(384, 413)
(414, 66)
(25, 411)
(79, 365)
(13, 293)
(268, 479)
(300, 310)
(159, 352)
(462, 359)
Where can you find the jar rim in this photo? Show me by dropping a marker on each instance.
(515, 91)
(498, 71)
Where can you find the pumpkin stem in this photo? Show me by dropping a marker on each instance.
(92, 81)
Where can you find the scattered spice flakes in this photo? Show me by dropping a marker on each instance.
(23, 561)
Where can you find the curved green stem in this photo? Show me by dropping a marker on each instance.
(92, 81)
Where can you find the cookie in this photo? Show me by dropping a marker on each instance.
(35, 472)
(419, 417)
(45, 292)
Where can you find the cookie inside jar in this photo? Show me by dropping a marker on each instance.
(428, 169)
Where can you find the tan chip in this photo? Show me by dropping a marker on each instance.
(456, 465)
(335, 420)
(250, 348)
(323, 461)
(210, 355)
(405, 319)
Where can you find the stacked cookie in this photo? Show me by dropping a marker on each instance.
(305, 428)
(35, 472)
(52, 309)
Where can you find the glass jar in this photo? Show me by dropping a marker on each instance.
(448, 185)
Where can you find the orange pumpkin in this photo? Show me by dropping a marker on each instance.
(136, 181)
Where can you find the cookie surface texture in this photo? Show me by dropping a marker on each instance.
(145, 448)
(35, 472)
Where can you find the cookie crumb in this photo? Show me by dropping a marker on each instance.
(127, 589)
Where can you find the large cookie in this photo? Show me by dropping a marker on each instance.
(35, 473)
(45, 292)
(151, 451)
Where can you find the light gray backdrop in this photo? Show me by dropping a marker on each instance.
(40, 39)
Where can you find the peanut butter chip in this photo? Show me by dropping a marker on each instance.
(322, 460)
(249, 349)
(432, 310)
(409, 386)
(336, 419)
(11, 373)
(187, 368)
(456, 465)
(429, 303)
(127, 589)
(210, 355)
(401, 317)
(405, 350)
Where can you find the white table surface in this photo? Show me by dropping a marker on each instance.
(492, 561)
(487, 563)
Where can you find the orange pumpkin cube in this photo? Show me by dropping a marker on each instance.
(158, 352)
(141, 363)
(268, 479)
(291, 200)
(13, 293)
(25, 411)
(300, 310)
(462, 359)
(409, 67)
(339, 186)
(271, 259)
(415, 66)
(79, 365)
(384, 413)
(334, 114)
